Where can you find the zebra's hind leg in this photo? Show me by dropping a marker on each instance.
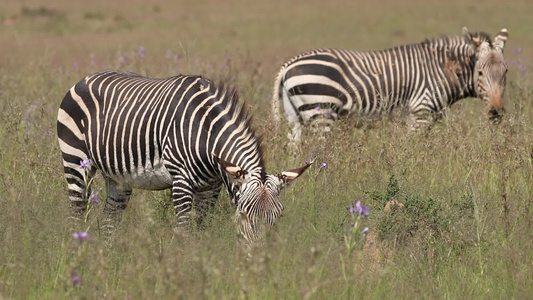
(116, 202)
(294, 143)
(204, 201)
(294, 120)
(182, 196)
(78, 173)
(321, 128)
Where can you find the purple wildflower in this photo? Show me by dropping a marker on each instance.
(523, 69)
(93, 198)
(317, 108)
(352, 209)
(49, 132)
(76, 280)
(81, 236)
(75, 66)
(85, 164)
(329, 113)
(323, 165)
(142, 52)
(360, 209)
(306, 162)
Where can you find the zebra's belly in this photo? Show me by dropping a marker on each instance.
(149, 177)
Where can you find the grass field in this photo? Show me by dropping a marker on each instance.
(465, 230)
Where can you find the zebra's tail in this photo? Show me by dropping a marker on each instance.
(276, 99)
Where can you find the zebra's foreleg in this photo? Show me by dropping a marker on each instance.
(421, 112)
(116, 202)
(182, 196)
(204, 201)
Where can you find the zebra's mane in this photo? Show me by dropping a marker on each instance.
(238, 110)
(450, 40)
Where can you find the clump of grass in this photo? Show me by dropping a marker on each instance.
(406, 215)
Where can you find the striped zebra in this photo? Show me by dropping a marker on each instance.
(179, 132)
(320, 85)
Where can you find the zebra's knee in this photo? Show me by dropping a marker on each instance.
(116, 202)
(183, 214)
(204, 203)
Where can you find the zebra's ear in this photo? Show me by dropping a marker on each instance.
(235, 172)
(500, 39)
(291, 175)
(473, 42)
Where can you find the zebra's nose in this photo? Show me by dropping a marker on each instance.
(496, 102)
(496, 114)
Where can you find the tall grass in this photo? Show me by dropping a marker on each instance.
(450, 208)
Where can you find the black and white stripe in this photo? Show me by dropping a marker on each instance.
(322, 84)
(179, 132)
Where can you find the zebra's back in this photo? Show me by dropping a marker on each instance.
(349, 81)
(125, 121)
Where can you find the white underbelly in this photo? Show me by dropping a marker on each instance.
(150, 177)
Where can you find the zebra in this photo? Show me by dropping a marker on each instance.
(320, 85)
(181, 132)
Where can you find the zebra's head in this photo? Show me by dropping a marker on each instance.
(257, 196)
(490, 70)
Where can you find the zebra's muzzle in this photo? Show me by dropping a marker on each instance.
(496, 114)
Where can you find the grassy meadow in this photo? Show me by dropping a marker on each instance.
(463, 229)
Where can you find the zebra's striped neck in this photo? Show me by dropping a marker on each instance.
(457, 62)
(235, 140)
(232, 135)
